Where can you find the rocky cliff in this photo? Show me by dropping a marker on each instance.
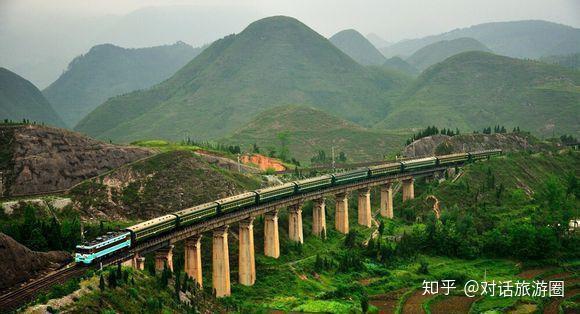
(37, 159)
(18, 263)
(443, 144)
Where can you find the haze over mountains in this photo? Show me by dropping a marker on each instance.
(518, 39)
(473, 90)
(357, 47)
(20, 99)
(108, 70)
(441, 50)
(274, 61)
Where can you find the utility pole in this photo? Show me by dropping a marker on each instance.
(239, 165)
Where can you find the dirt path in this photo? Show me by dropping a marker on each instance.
(414, 304)
(553, 307)
(532, 273)
(452, 305)
(387, 303)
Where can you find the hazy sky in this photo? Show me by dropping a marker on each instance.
(38, 38)
(392, 19)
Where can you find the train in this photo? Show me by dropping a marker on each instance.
(111, 243)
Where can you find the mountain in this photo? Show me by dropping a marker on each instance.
(323, 131)
(20, 99)
(357, 47)
(377, 40)
(441, 50)
(398, 64)
(274, 61)
(518, 39)
(571, 61)
(473, 90)
(108, 70)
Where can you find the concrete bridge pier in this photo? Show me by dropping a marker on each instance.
(341, 213)
(247, 262)
(364, 207)
(408, 189)
(387, 201)
(138, 262)
(193, 258)
(271, 238)
(295, 224)
(163, 256)
(221, 263)
(319, 218)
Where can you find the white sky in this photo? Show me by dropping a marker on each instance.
(390, 19)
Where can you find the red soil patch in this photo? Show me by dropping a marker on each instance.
(452, 305)
(414, 304)
(558, 276)
(552, 307)
(263, 162)
(387, 303)
(532, 273)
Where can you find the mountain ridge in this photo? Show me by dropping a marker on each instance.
(274, 61)
(355, 45)
(108, 70)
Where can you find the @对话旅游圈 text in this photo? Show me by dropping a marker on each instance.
(507, 288)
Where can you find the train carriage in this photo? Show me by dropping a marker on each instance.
(236, 202)
(197, 213)
(385, 169)
(452, 159)
(276, 192)
(417, 164)
(149, 228)
(350, 176)
(484, 154)
(307, 185)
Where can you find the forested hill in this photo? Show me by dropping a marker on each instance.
(518, 39)
(108, 70)
(441, 50)
(20, 99)
(274, 61)
(357, 47)
(473, 90)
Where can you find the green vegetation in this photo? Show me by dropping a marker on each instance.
(472, 90)
(398, 64)
(357, 47)
(20, 99)
(323, 132)
(441, 50)
(166, 182)
(517, 39)
(571, 61)
(107, 70)
(274, 61)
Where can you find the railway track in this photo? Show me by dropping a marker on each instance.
(13, 299)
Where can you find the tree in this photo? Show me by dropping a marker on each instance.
(364, 303)
(255, 149)
(112, 279)
(101, 282)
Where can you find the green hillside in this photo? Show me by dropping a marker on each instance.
(398, 64)
(274, 61)
(107, 70)
(309, 130)
(441, 50)
(357, 47)
(164, 183)
(571, 61)
(20, 99)
(518, 39)
(473, 90)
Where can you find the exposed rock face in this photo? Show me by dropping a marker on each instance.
(44, 159)
(18, 263)
(443, 144)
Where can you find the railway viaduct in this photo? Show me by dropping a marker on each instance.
(218, 227)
